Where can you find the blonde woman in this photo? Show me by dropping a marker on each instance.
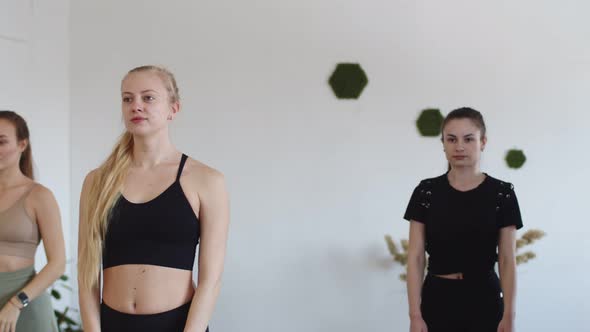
(29, 214)
(143, 212)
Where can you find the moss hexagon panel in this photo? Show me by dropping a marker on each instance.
(429, 122)
(515, 158)
(348, 80)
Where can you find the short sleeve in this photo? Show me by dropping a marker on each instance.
(508, 209)
(418, 205)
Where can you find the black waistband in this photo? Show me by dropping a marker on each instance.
(116, 321)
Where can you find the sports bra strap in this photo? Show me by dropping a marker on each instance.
(181, 166)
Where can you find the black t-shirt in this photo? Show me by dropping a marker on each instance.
(462, 227)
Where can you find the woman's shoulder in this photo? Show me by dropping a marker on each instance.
(39, 191)
(499, 183)
(90, 176)
(201, 173)
(88, 181)
(431, 182)
(39, 194)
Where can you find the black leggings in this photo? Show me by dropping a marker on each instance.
(173, 320)
(468, 305)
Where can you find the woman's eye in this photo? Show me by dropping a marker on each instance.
(126, 99)
(148, 98)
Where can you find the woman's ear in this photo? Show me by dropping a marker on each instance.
(174, 109)
(23, 144)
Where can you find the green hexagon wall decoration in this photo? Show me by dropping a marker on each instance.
(515, 158)
(429, 122)
(348, 80)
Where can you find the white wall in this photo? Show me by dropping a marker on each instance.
(316, 182)
(34, 58)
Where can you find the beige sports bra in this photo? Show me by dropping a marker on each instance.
(19, 234)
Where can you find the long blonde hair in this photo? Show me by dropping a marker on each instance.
(106, 188)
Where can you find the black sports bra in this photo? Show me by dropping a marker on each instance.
(163, 231)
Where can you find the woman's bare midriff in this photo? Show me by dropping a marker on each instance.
(14, 263)
(455, 276)
(146, 289)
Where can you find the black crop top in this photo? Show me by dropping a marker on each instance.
(164, 231)
(462, 227)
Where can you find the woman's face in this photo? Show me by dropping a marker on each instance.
(10, 148)
(463, 143)
(145, 103)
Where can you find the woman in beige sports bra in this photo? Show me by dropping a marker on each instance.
(28, 214)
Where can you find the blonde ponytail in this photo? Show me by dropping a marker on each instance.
(104, 192)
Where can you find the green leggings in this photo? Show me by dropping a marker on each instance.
(38, 315)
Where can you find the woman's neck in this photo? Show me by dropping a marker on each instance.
(465, 176)
(151, 151)
(11, 177)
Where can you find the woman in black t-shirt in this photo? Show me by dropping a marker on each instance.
(466, 220)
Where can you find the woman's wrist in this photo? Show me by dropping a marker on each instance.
(415, 315)
(14, 301)
(509, 315)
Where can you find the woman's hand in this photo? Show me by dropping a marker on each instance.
(506, 325)
(418, 324)
(8, 317)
